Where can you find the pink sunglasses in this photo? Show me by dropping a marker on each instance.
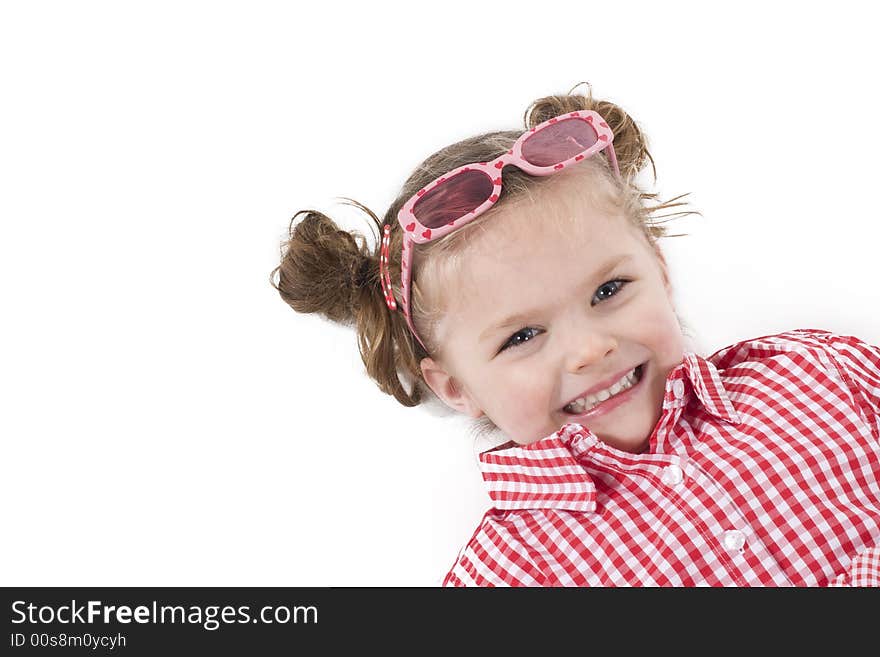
(458, 197)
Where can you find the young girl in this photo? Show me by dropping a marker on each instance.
(519, 280)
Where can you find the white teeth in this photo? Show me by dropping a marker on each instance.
(586, 403)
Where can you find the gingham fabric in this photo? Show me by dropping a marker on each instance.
(762, 471)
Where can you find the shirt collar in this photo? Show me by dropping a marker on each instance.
(552, 472)
(697, 376)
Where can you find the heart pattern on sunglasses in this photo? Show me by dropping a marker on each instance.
(601, 123)
(427, 234)
(411, 227)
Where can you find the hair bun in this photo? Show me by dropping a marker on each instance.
(325, 270)
(630, 144)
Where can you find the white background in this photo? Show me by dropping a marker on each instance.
(165, 419)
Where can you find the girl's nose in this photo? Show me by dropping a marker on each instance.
(588, 348)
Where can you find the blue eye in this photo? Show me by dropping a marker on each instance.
(615, 285)
(512, 341)
(610, 289)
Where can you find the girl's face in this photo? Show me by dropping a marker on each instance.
(541, 314)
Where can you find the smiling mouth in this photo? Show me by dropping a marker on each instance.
(629, 381)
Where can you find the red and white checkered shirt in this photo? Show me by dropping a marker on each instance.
(762, 471)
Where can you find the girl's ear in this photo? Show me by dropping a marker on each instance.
(448, 389)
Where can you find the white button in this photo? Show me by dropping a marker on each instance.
(672, 475)
(572, 428)
(678, 388)
(734, 540)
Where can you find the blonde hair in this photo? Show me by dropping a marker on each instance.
(335, 273)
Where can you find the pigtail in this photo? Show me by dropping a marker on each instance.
(631, 148)
(334, 273)
(630, 143)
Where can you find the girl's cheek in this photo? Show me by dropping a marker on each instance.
(527, 391)
(663, 330)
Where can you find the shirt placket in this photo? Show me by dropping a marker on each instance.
(745, 559)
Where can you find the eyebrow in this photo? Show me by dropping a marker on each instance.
(517, 318)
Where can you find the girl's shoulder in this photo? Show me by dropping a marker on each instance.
(807, 353)
(814, 342)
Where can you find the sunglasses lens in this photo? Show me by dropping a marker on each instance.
(453, 198)
(558, 141)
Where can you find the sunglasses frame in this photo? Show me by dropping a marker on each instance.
(415, 233)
